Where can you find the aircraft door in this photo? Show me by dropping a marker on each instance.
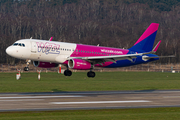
(33, 47)
(76, 51)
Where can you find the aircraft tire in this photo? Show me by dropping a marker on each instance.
(91, 74)
(67, 73)
(26, 68)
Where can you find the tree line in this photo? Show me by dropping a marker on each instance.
(111, 23)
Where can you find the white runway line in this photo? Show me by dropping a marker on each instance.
(171, 97)
(99, 102)
(27, 97)
(21, 100)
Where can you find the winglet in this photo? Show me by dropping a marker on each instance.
(156, 47)
(51, 39)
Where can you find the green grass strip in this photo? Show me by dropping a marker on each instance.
(105, 81)
(110, 114)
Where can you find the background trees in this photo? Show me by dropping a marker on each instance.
(112, 23)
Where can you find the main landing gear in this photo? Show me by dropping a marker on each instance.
(67, 73)
(91, 74)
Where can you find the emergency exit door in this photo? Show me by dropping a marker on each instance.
(33, 47)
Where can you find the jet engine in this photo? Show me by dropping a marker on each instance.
(44, 64)
(79, 64)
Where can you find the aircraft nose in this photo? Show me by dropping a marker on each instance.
(9, 51)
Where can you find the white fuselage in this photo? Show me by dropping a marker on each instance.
(41, 50)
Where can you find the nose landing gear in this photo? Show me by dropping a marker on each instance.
(27, 65)
(26, 68)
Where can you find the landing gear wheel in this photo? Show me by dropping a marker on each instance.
(26, 68)
(67, 73)
(91, 74)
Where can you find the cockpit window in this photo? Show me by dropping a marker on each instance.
(23, 45)
(19, 44)
(15, 44)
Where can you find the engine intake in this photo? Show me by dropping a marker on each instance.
(79, 64)
(44, 64)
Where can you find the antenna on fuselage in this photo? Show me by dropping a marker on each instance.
(51, 39)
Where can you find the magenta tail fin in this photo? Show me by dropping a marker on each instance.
(146, 41)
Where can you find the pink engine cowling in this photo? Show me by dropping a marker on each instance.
(44, 64)
(79, 64)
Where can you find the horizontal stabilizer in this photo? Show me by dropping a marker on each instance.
(166, 56)
(147, 57)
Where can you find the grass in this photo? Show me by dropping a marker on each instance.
(114, 114)
(105, 81)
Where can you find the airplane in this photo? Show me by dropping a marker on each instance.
(48, 53)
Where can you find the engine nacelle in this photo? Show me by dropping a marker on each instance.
(79, 64)
(44, 64)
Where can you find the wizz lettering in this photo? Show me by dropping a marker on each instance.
(48, 48)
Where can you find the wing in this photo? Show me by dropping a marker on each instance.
(112, 58)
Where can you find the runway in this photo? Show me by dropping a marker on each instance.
(88, 100)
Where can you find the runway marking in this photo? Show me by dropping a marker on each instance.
(21, 100)
(40, 97)
(98, 102)
(171, 97)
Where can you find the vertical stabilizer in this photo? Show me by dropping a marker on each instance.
(146, 41)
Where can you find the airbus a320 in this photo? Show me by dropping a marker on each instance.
(47, 53)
